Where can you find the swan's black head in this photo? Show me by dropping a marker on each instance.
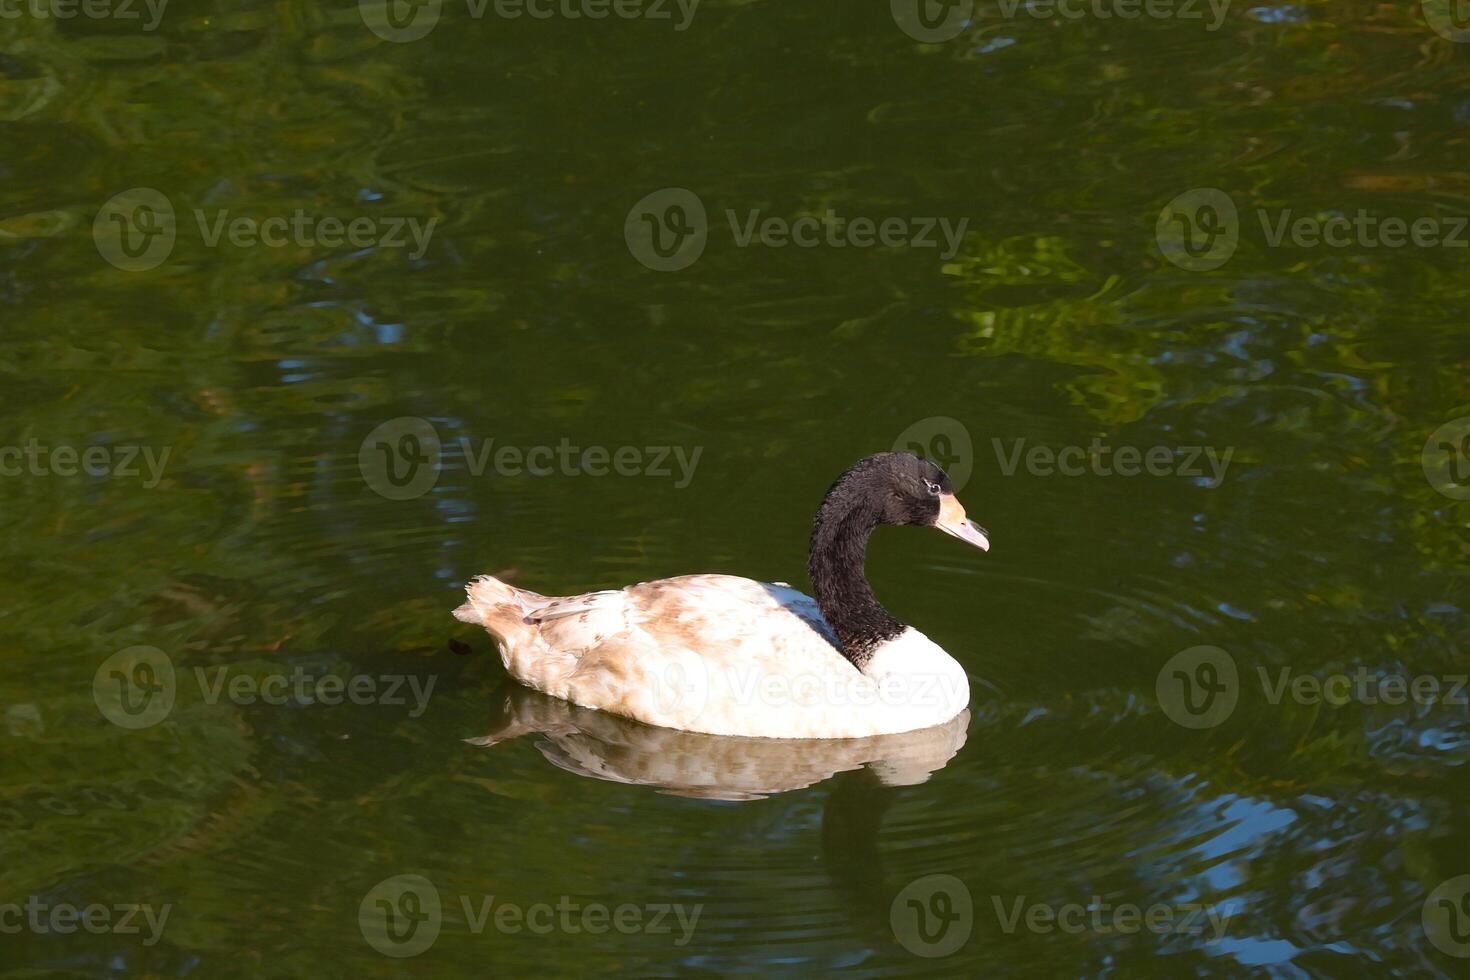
(889, 488)
(901, 488)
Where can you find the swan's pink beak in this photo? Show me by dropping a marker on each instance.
(952, 520)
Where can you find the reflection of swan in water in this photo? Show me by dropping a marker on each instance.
(716, 767)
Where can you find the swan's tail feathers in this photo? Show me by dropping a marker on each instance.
(502, 609)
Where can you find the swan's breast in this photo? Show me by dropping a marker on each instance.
(916, 677)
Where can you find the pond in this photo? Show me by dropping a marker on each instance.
(312, 312)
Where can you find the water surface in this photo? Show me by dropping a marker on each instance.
(269, 544)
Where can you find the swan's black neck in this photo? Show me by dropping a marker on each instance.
(839, 545)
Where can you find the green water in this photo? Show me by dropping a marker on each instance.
(1298, 516)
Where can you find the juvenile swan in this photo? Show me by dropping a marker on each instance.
(730, 656)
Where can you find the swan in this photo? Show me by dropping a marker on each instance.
(723, 655)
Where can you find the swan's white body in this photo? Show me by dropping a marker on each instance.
(716, 654)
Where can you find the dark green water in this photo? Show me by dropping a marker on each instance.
(1327, 834)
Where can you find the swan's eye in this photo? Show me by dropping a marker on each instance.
(933, 487)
